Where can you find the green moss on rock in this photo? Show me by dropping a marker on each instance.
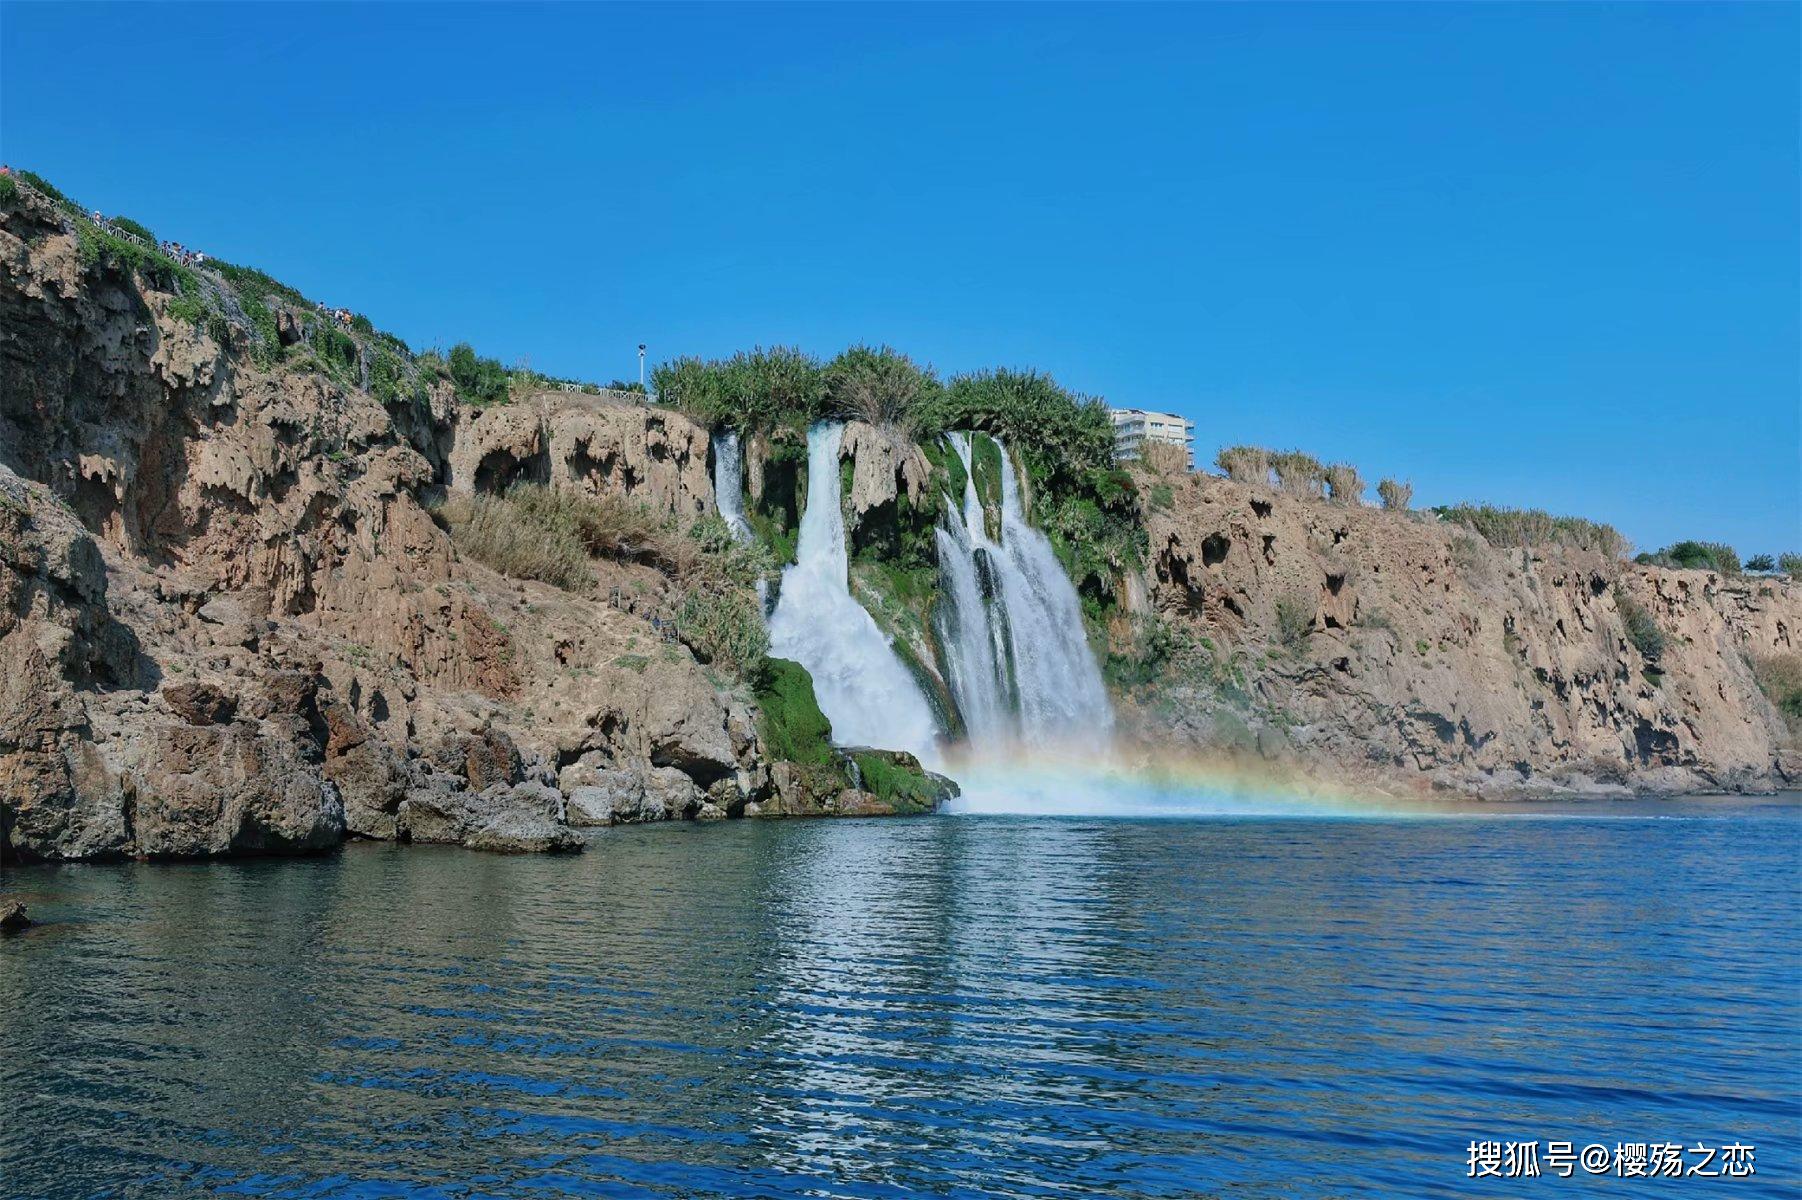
(789, 719)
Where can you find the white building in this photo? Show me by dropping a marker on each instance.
(1133, 427)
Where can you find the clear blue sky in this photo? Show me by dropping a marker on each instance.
(1539, 255)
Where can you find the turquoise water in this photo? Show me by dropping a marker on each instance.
(960, 1006)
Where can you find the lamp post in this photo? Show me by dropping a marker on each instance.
(641, 365)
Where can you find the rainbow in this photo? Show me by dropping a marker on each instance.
(1162, 785)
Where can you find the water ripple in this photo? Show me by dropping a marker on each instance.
(989, 1007)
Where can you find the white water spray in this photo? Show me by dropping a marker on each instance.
(729, 482)
(861, 684)
(1020, 663)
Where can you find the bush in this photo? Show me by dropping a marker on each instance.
(9, 189)
(1779, 676)
(880, 386)
(336, 349)
(526, 533)
(1163, 458)
(1344, 484)
(1294, 620)
(1299, 473)
(1762, 564)
(723, 625)
(1790, 564)
(1530, 528)
(1060, 436)
(1396, 496)
(1246, 464)
(763, 389)
(621, 385)
(1695, 556)
(477, 380)
(538, 532)
(1642, 629)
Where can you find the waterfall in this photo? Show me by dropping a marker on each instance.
(729, 482)
(1011, 625)
(862, 685)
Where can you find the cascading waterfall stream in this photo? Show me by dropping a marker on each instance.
(1019, 662)
(729, 482)
(861, 684)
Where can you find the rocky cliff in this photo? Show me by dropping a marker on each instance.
(1405, 652)
(230, 624)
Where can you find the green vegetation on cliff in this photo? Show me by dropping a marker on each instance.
(1690, 555)
(554, 536)
(789, 719)
(1534, 529)
(908, 790)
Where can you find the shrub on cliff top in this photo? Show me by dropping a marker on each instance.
(1059, 435)
(478, 380)
(1299, 473)
(1396, 496)
(1695, 556)
(1530, 528)
(879, 385)
(758, 390)
(1790, 564)
(1344, 484)
(1245, 464)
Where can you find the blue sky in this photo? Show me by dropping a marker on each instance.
(1537, 255)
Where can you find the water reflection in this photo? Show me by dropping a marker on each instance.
(994, 1007)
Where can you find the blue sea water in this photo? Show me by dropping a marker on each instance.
(950, 1006)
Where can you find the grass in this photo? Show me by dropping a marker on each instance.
(1534, 528)
(1244, 464)
(1642, 629)
(1299, 473)
(554, 536)
(1779, 676)
(1294, 620)
(1344, 484)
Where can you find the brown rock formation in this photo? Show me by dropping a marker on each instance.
(229, 623)
(1400, 649)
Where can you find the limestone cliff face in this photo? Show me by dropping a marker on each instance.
(598, 446)
(1411, 653)
(229, 623)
